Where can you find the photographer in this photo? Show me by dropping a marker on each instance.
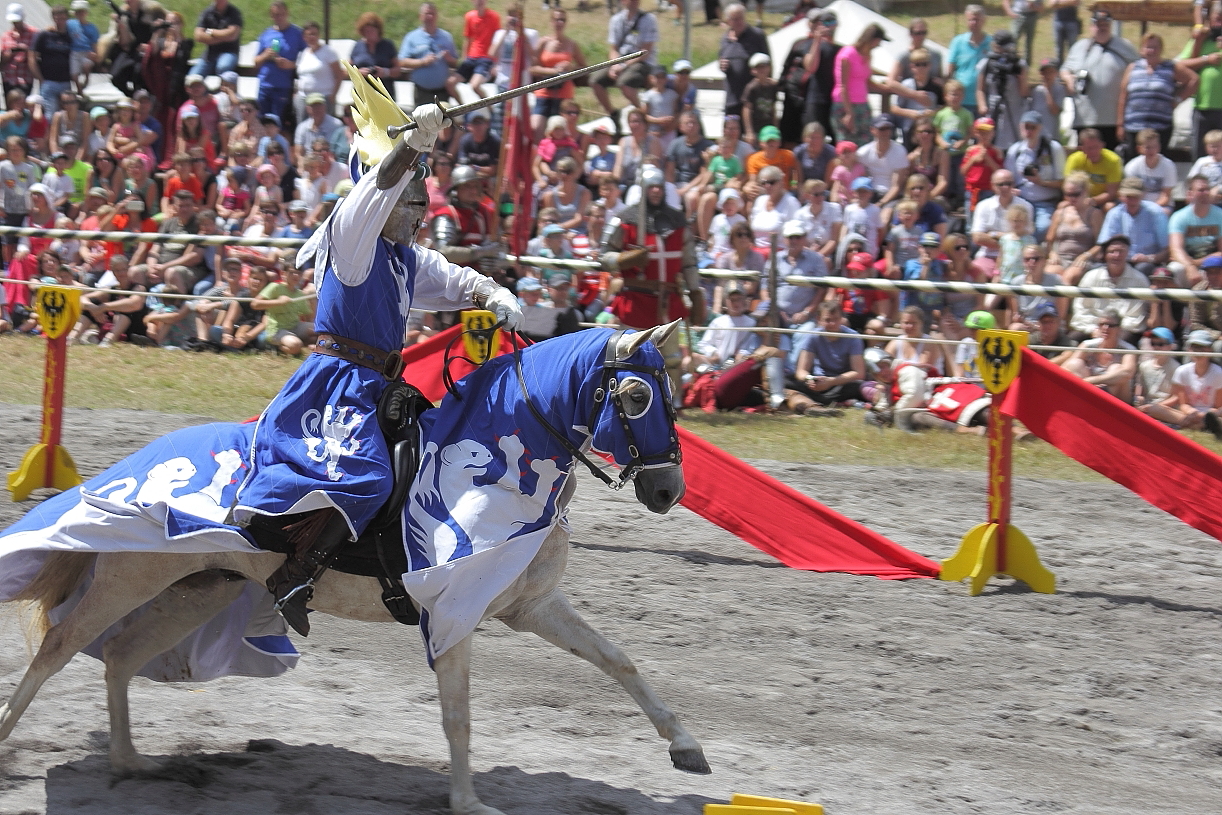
(134, 24)
(1001, 88)
(1038, 165)
(1092, 75)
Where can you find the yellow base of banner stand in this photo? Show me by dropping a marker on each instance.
(977, 558)
(43, 466)
(799, 807)
(732, 809)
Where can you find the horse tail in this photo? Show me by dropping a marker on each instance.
(54, 583)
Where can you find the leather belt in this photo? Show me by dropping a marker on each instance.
(388, 363)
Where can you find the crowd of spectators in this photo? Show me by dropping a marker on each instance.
(963, 173)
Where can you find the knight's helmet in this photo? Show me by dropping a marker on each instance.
(651, 176)
(463, 174)
(373, 110)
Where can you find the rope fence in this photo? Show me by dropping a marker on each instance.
(874, 283)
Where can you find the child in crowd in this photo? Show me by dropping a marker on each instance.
(85, 36)
(287, 311)
(1010, 255)
(610, 197)
(863, 216)
(904, 238)
(722, 171)
(268, 191)
(847, 169)
(244, 325)
(759, 97)
(927, 265)
(235, 202)
(181, 178)
(953, 120)
(601, 165)
(1156, 171)
(980, 161)
(860, 305)
(271, 134)
(661, 105)
(730, 202)
(1210, 164)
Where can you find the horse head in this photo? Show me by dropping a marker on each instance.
(636, 425)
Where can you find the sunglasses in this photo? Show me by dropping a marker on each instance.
(768, 183)
(1073, 195)
(1004, 184)
(1109, 325)
(919, 64)
(918, 32)
(1162, 343)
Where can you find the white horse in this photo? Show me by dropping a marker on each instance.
(187, 590)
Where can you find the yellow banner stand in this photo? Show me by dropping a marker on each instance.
(47, 464)
(999, 547)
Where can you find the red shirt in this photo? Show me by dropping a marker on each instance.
(479, 30)
(979, 176)
(17, 71)
(191, 183)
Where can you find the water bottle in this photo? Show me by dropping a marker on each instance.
(276, 46)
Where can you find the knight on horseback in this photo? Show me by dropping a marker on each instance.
(369, 273)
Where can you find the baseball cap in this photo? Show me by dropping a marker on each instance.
(1032, 117)
(41, 189)
(193, 79)
(861, 261)
(1199, 337)
(862, 183)
(79, 5)
(681, 66)
(58, 154)
(1045, 310)
(482, 113)
(298, 206)
(15, 13)
(1050, 62)
(100, 192)
(1162, 273)
(232, 261)
(1163, 333)
(230, 77)
(329, 198)
(881, 122)
(184, 193)
(770, 132)
(1003, 38)
(759, 59)
(1116, 239)
(984, 123)
(1211, 262)
(529, 284)
(315, 99)
(270, 117)
(552, 229)
(931, 239)
(127, 103)
(846, 146)
(559, 280)
(187, 112)
(266, 168)
(979, 319)
(726, 194)
(603, 127)
(793, 229)
(98, 111)
(1100, 15)
(828, 18)
(1133, 185)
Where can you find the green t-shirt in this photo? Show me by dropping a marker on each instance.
(284, 318)
(724, 169)
(953, 121)
(1209, 92)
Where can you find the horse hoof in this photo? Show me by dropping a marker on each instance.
(690, 760)
(134, 764)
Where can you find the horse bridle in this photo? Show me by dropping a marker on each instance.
(605, 394)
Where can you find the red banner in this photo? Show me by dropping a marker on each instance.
(1090, 426)
(775, 518)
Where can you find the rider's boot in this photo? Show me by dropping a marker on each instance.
(293, 583)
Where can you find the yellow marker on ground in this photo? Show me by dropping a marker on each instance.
(732, 809)
(775, 804)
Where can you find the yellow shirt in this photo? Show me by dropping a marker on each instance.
(1109, 169)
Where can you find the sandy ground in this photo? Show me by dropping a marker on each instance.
(865, 695)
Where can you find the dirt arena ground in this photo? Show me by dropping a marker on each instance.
(871, 697)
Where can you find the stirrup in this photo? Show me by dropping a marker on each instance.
(280, 604)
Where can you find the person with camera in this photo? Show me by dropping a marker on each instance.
(1092, 74)
(1038, 165)
(1001, 88)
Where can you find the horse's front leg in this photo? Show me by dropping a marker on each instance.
(556, 621)
(453, 669)
(176, 612)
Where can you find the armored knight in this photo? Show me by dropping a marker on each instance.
(462, 229)
(654, 282)
(320, 465)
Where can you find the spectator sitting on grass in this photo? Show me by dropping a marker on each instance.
(1113, 373)
(288, 311)
(828, 369)
(1048, 332)
(244, 325)
(1154, 371)
(1196, 391)
(720, 346)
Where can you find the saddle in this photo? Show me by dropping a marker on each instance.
(379, 551)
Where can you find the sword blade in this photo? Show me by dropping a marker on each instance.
(394, 131)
